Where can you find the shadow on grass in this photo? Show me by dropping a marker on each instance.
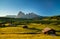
(58, 32)
(19, 33)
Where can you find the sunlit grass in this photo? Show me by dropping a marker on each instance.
(27, 36)
(15, 32)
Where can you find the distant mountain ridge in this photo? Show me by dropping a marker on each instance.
(10, 16)
(23, 15)
(32, 16)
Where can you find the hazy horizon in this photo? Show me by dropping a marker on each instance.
(40, 7)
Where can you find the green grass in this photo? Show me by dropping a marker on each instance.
(15, 32)
(33, 27)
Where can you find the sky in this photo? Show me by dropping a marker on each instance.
(39, 7)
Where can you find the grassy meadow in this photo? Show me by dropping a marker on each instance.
(13, 29)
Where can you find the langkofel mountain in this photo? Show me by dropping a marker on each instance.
(27, 16)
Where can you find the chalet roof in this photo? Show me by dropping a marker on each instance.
(46, 29)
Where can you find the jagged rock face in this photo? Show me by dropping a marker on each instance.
(31, 15)
(27, 16)
(20, 15)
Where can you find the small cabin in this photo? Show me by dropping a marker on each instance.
(25, 26)
(49, 31)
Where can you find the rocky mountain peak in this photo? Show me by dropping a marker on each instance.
(28, 16)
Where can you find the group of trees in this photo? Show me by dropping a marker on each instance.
(52, 17)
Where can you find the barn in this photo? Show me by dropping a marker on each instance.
(49, 31)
